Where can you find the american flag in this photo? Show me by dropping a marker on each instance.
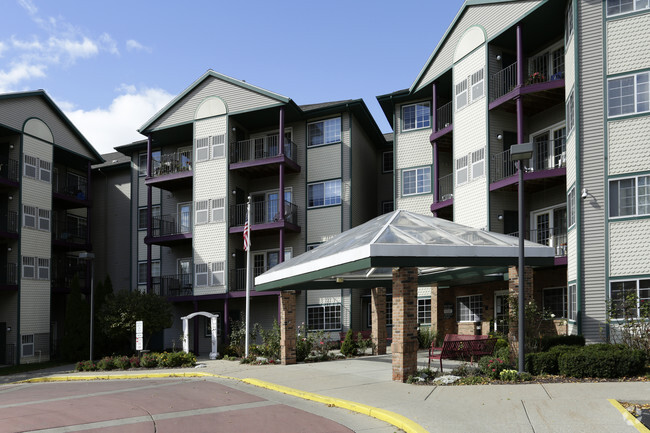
(247, 234)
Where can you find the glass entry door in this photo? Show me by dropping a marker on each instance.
(501, 312)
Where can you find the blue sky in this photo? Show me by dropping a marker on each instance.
(111, 65)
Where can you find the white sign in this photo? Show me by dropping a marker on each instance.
(138, 328)
(138, 343)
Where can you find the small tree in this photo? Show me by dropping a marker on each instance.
(629, 322)
(349, 346)
(121, 311)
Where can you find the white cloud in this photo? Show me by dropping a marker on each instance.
(106, 128)
(72, 49)
(29, 6)
(133, 45)
(3, 47)
(19, 72)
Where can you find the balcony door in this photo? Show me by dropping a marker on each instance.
(550, 228)
(184, 217)
(266, 207)
(549, 148)
(501, 312)
(265, 260)
(185, 271)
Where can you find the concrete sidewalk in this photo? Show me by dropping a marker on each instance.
(576, 407)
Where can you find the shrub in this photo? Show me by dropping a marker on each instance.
(85, 366)
(106, 364)
(550, 341)
(464, 370)
(122, 362)
(427, 335)
(134, 361)
(492, 366)
(349, 346)
(547, 362)
(364, 343)
(602, 360)
(149, 360)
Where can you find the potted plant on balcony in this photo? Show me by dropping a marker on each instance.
(535, 77)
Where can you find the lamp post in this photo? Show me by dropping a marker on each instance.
(521, 152)
(90, 257)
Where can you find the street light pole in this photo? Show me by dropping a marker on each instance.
(521, 153)
(90, 257)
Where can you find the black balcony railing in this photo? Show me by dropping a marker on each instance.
(76, 187)
(261, 148)
(446, 187)
(444, 116)
(238, 277)
(173, 224)
(9, 169)
(173, 285)
(170, 163)
(70, 229)
(547, 155)
(553, 237)
(502, 82)
(263, 212)
(8, 274)
(9, 222)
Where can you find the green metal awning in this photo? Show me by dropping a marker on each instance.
(365, 255)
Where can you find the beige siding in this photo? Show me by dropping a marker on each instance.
(628, 247)
(324, 162)
(494, 18)
(237, 98)
(321, 297)
(627, 41)
(572, 258)
(569, 65)
(591, 116)
(346, 181)
(625, 139)
(34, 306)
(323, 224)
(501, 201)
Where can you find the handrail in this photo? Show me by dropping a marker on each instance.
(263, 212)
(261, 148)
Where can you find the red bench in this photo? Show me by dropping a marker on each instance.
(462, 347)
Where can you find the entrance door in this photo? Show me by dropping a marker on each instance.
(501, 310)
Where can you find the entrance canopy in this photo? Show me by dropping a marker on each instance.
(365, 255)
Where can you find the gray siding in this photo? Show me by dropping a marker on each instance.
(365, 162)
(592, 166)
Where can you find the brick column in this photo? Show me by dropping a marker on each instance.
(436, 312)
(288, 327)
(513, 289)
(378, 308)
(405, 322)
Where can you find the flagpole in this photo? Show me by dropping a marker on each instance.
(247, 246)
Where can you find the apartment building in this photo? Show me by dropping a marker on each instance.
(206, 152)
(571, 77)
(45, 198)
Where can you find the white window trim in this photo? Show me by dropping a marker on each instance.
(43, 216)
(217, 206)
(638, 296)
(202, 273)
(636, 111)
(324, 306)
(478, 157)
(550, 132)
(202, 144)
(473, 85)
(416, 104)
(32, 215)
(427, 188)
(463, 83)
(45, 167)
(634, 9)
(201, 207)
(461, 164)
(325, 143)
(572, 307)
(42, 264)
(636, 197)
(218, 273)
(31, 164)
(571, 211)
(477, 317)
(24, 344)
(31, 265)
(570, 113)
(430, 312)
(218, 146)
(324, 195)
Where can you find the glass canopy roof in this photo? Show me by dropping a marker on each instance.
(368, 253)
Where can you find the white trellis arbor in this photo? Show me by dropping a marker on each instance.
(213, 331)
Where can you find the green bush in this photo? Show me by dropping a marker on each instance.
(547, 362)
(550, 341)
(122, 362)
(492, 366)
(602, 360)
(106, 364)
(85, 366)
(149, 360)
(349, 346)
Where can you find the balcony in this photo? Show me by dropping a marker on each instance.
(70, 231)
(443, 121)
(63, 273)
(9, 225)
(171, 229)
(238, 277)
(173, 285)
(552, 237)
(549, 161)
(445, 193)
(8, 276)
(71, 192)
(265, 216)
(8, 171)
(173, 170)
(261, 156)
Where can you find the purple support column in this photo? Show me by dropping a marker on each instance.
(226, 324)
(196, 329)
(434, 120)
(88, 197)
(520, 57)
(281, 186)
(149, 216)
(434, 110)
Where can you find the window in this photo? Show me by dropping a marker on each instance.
(424, 311)
(461, 171)
(43, 269)
(629, 298)
(142, 271)
(29, 216)
(555, 301)
(45, 173)
(324, 132)
(218, 146)
(617, 7)
(629, 197)
(387, 162)
(202, 149)
(27, 345)
(217, 208)
(416, 181)
(477, 85)
(628, 95)
(201, 212)
(387, 206)
(416, 116)
(389, 311)
(478, 163)
(324, 317)
(461, 95)
(570, 113)
(30, 166)
(568, 22)
(29, 267)
(142, 164)
(324, 193)
(572, 313)
(201, 274)
(571, 206)
(312, 246)
(217, 275)
(44, 220)
(469, 308)
(142, 216)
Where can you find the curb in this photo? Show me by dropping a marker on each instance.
(631, 420)
(387, 416)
